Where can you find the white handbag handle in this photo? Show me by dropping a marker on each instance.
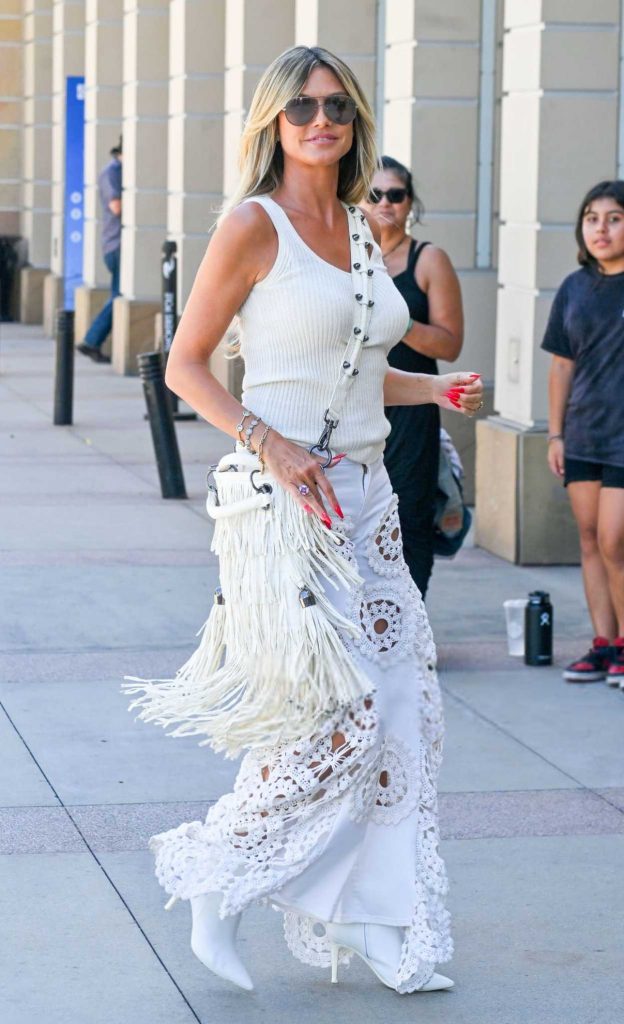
(248, 463)
(236, 508)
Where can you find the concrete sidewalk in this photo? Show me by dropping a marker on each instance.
(101, 577)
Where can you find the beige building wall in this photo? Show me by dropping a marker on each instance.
(37, 152)
(36, 170)
(441, 71)
(11, 115)
(255, 32)
(196, 130)
(145, 106)
(11, 129)
(483, 99)
(103, 120)
(561, 97)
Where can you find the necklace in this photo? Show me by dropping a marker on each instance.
(389, 252)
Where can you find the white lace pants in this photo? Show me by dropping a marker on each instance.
(342, 825)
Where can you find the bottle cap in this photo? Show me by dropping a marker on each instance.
(538, 597)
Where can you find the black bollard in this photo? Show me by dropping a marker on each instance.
(169, 278)
(162, 425)
(64, 368)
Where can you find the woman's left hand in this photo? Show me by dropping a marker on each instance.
(462, 392)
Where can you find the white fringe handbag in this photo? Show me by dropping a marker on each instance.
(271, 665)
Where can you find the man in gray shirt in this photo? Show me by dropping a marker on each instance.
(109, 184)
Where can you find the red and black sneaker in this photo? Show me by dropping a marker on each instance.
(594, 666)
(615, 675)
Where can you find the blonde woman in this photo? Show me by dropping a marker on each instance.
(336, 829)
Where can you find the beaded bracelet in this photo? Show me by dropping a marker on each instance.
(249, 431)
(239, 426)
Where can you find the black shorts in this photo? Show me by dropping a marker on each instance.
(577, 470)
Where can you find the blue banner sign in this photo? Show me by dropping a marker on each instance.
(73, 213)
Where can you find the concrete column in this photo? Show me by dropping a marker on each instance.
(11, 123)
(37, 156)
(144, 214)
(561, 63)
(440, 78)
(103, 121)
(256, 31)
(67, 59)
(196, 126)
(332, 24)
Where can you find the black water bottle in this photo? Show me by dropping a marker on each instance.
(538, 629)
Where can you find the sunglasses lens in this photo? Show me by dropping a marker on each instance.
(300, 110)
(396, 195)
(340, 109)
(375, 196)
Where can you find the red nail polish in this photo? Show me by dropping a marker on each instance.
(307, 508)
(456, 404)
(474, 376)
(326, 521)
(338, 510)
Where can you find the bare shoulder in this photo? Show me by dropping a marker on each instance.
(246, 223)
(434, 263)
(435, 258)
(246, 238)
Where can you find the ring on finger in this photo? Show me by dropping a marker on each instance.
(303, 489)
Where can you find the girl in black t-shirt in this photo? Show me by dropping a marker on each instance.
(585, 335)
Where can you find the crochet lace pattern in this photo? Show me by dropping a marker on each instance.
(286, 799)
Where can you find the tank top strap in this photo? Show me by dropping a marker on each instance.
(283, 229)
(415, 250)
(274, 211)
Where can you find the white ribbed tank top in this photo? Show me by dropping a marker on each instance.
(294, 326)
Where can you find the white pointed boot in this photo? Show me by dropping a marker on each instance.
(213, 940)
(379, 946)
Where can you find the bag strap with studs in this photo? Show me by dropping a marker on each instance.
(360, 237)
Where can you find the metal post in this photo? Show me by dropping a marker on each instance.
(162, 426)
(64, 369)
(169, 273)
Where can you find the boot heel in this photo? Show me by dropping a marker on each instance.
(334, 963)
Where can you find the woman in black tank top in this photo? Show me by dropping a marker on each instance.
(424, 276)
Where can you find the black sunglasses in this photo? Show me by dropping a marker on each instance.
(393, 195)
(302, 109)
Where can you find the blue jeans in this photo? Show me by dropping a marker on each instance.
(101, 326)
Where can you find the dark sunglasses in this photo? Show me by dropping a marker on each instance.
(302, 109)
(393, 195)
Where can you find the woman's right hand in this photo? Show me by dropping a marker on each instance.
(292, 467)
(556, 457)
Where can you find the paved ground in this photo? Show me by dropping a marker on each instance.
(100, 576)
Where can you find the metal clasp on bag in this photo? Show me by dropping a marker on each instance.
(322, 445)
(212, 487)
(263, 488)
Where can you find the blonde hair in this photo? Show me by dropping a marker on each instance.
(261, 160)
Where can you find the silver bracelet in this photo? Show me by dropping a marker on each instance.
(248, 432)
(239, 426)
(555, 437)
